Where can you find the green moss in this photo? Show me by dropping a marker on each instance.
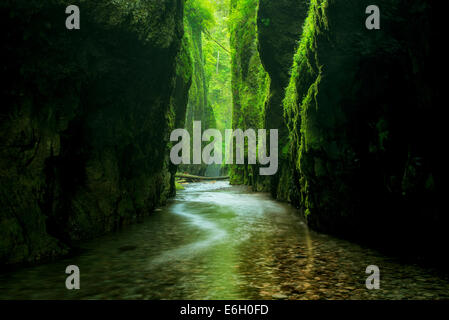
(94, 108)
(179, 186)
(198, 107)
(354, 108)
(250, 81)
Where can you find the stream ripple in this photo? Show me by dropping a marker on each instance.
(216, 241)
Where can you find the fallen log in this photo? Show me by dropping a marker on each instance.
(199, 178)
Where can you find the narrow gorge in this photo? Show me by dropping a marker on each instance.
(85, 129)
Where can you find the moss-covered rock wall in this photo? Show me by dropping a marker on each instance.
(279, 26)
(250, 84)
(362, 119)
(180, 97)
(359, 125)
(85, 119)
(198, 107)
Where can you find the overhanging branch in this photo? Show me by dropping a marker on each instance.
(206, 32)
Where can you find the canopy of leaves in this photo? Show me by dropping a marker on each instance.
(217, 62)
(200, 13)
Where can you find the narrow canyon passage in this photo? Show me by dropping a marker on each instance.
(222, 150)
(217, 241)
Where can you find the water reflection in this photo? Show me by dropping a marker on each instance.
(216, 241)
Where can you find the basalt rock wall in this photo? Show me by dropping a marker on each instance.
(364, 125)
(85, 119)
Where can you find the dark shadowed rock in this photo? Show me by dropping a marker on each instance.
(85, 119)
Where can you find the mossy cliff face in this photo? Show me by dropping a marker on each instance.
(180, 97)
(279, 26)
(198, 107)
(250, 84)
(362, 119)
(85, 119)
(264, 37)
(359, 125)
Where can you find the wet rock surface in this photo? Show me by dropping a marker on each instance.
(85, 120)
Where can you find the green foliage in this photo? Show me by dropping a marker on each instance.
(200, 13)
(179, 186)
(250, 81)
(200, 16)
(210, 99)
(217, 64)
(304, 81)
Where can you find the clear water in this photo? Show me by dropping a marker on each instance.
(216, 241)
